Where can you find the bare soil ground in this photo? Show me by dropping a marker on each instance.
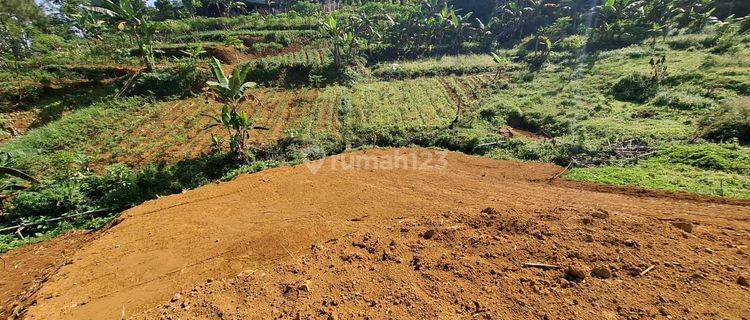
(26, 269)
(366, 242)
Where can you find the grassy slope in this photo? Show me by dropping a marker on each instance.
(574, 103)
(571, 103)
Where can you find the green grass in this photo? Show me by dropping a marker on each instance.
(441, 66)
(672, 177)
(572, 103)
(708, 169)
(60, 147)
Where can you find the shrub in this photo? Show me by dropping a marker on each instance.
(572, 43)
(234, 41)
(177, 81)
(46, 43)
(47, 200)
(729, 122)
(636, 87)
(682, 101)
(306, 8)
(349, 75)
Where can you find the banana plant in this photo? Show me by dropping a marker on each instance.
(344, 41)
(225, 6)
(129, 17)
(500, 62)
(700, 14)
(232, 90)
(193, 55)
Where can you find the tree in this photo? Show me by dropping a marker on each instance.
(224, 7)
(189, 7)
(16, 17)
(231, 90)
(343, 41)
(166, 9)
(129, 15)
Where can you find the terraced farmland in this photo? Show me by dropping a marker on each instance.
(171, 131)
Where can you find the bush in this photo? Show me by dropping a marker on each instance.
(630, 34)
(234, 41)
(178, 81)
(682, 101)
(306, 8)
(636, 87)
(47, 201)
(570, 44)
(730, 122)
(266, 46)
(46, 43)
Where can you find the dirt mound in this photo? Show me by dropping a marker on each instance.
(359, 236)
(226, 54)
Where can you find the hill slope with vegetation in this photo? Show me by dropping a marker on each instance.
(105, 104)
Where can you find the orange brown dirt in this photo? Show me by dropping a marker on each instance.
(26, 269)
(370, 241)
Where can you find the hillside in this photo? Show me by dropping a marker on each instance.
(448, 242)
(159, 159)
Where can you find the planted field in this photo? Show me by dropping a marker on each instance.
(442, 66)
(170, 131)
(421, 102)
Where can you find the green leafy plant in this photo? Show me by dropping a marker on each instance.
(128, 16)
(234, 42)
(232, 90)
(635, 87)
(316, 80)
(501, 62)
(658, 69)
(13, 180)
(344, 43)
(194, 54)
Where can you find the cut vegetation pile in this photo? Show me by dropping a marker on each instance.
(471, 237)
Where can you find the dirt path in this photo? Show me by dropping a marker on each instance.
(446, 243)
